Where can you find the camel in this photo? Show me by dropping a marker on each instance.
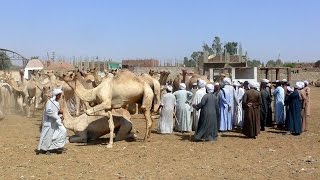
(116, 92)
(189, 78)
(163, 77)
(155, 86)
(92, 127)
(5, 97)
(317, 83)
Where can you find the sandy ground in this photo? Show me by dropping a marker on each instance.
(272, 155)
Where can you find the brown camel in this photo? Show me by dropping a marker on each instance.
(116, 92)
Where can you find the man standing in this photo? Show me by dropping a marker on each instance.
(208, 128)
(196, 100)
(306, 106)
(167, 106)
(227, 99)
(251, 105)
(53, 133)
(238, 115)
(183, 110)
(279, 105)
(266, 101)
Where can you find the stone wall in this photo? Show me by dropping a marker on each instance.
(298, 76)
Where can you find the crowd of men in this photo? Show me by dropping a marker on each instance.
(246, 106)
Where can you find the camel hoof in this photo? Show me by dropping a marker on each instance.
(109, 146)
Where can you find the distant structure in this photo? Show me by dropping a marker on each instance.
(140, 63)
(33, 64)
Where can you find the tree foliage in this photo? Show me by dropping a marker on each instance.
(189, 62)
(231, 48)
(5, 62)
(206, 47)
(254, 63)
(217, 46)
(291, 65)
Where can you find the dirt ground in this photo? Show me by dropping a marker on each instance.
(272, 155)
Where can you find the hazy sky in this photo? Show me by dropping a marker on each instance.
(164, 29)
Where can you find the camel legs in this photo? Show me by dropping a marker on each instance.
(97, 108)
(77, 99)
(147, 115)
(81, 137)
(124, 131)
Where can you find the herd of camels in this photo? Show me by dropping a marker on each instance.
(106, 100)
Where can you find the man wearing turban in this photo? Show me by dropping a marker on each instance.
(183, 109)
(167, 106)
(251, 104)
(279, 96)
(53, 133)
(196, 100)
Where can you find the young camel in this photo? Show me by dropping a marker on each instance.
(116, 92)
(92, 127)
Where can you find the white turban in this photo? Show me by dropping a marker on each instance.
(227, 80)
(265, 81)
(182, 86)
(194, 84)
(299, 85)
(210, 88)
(306, 82)
(216, 84)
(284, 80)
(254, 85)
(201, 83)
(289, 89)
(55, 92)
(169, 88)
(277, 81)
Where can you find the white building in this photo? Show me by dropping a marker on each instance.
(33, 64)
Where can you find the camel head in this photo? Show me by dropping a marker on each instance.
(69, 76)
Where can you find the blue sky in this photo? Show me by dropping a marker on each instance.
(166, 29)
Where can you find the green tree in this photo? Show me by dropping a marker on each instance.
(5, 62)
(34, 57)
(216, 45)
(231, 48)
(207, 48)
(271, 63)
(291, 65)
(279, 62)
(254, 63)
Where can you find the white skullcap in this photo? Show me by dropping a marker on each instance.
(265, 81)
(306, 82)
(299, 85)
(227, 80)
(284, 80)
(55, 92)
(216, 84)
(169, 88)
(289, 89)
(277, 81)
(269, 85)
(182, 86)
(194, 84)
(210, 88)
(201, 83)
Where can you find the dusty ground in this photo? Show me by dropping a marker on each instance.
(272, 155)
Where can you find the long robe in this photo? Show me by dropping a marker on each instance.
(304, 116)
(265, 103)
(251, 104)
(227, 99)
(239, 92)
(208, 122)
(168, 102)
(269, 114)
(196, 100)
(53, 133)
(294, 120)
(183, 110)
(279, 105)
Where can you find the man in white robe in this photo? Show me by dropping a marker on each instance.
(167, 106)
(196, 100)
(238, 114)
(53, 133)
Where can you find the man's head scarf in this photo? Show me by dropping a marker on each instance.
(254, 85)
(55, 92)
(182, 86)
(169, 88)
(289, 89)
(299, 85)
(210, 88)
(201, 83)
(227, 80)
(306, 82)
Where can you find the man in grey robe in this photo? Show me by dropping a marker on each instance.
(196, 100)
(183, 109)
(167, 106)
(53, 133)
